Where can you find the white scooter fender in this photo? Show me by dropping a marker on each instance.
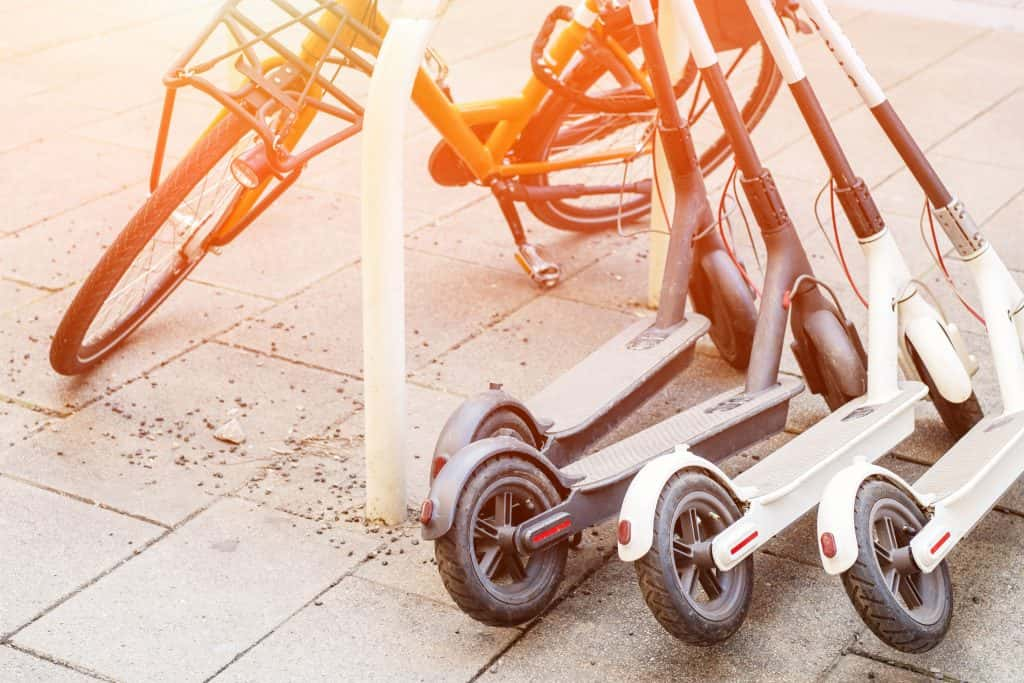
(641, 501)
(942, 350)
(837, 535)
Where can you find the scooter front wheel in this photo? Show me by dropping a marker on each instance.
(906, 608)
(483, 571)
(688, 595)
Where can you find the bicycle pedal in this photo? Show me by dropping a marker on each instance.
(542, 271)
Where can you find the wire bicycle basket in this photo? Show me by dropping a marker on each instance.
(271, 86)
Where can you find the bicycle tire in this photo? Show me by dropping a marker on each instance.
(540, 137)
(70, 353)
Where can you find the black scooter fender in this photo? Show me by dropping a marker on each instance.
(463, 426)
(447, 487)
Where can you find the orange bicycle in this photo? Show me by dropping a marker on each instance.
(574, 145)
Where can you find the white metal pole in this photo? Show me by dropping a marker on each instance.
(383, 263)
(677, 52)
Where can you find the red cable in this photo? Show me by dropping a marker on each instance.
(725, 238)
(945, 271)
(839, 245)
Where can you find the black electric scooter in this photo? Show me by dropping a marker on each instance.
(513, 481)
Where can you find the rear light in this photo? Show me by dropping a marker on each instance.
(828, 545)
(625, 532)
(426, 512)
(435, 466)
(250, 168)
(742, 544)
(942, 541)
(551, 531)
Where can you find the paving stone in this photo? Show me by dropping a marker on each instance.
(24, 667)
(53, 545)
(357, 641)
(188, 605)
(17, 423)
(996, 129)
(985, 570)
(478, 234)
(851, 667)
(64, 249)
(32, 118)
(1002, 231)
(149, 448)
(85, 170)
(324, 477)
(985, 189)
(193, 313)
(13, 294)
(605, 630)
(523, 367)
(302, 238)
(322, 326)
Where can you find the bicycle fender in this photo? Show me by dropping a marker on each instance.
(938, 353)
(641, 501)
(446, 489)
(835, 512)
(460, 429)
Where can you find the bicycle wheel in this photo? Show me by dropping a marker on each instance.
(161, 244)
(561, 130)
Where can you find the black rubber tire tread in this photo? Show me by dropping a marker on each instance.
(733, 318)
(500, 422)
(452, 551)
(67, 341)
(958, 418)
(835, 396)
(656, 575)
(544, 126)
(874, 602)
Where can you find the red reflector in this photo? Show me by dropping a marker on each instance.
(625, 532)
(436, 465)
(739, 546)
(828, 545)
(426, 511)
(935, 548)
(551, 531)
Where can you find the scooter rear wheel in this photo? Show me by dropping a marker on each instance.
(906, 608)
(690, 597)
(721, 295)
(480, 566)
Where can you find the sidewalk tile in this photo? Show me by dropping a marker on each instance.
(303, 237)
(25, 667)
(991, 137)
(192, 313)
(149, 449)
(13, 294)
(324, 476)
(516, 352)
(1003, 231)
(62, 250)
(356, 639)
(851, 667)
(53, 545)
(185, 607)
(606, 630)
(67, 171)
(16, 423)
(984, 188)
(446, 301)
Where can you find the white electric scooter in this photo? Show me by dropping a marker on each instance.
(690, 528)
(888, 538)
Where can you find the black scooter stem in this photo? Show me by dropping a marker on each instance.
(692, 209)
(923, 171)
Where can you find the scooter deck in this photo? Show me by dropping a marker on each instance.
(691, 427)
(854, 430)
(976, 454)
(603, 379)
